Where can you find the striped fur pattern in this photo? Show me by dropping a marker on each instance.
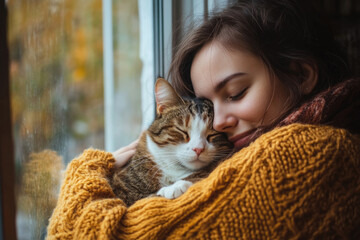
(179, 148)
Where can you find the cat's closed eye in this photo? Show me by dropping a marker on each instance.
(211, 137)
(184, 133)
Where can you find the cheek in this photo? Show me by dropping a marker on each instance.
(275, 109)
(258, 101)
(184, 151)
(252, 108)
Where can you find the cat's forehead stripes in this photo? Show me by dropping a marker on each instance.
(187, 120)
(203, 108)
(180, 121)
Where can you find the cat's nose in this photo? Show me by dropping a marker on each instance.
(198, 151)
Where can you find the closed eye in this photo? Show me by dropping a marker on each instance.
(211, 137)
(237, 96)
(187, 137)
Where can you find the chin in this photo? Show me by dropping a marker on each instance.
(196, 164)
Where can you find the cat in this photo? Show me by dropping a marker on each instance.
(179, 148)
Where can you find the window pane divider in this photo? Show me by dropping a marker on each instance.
(108, 75)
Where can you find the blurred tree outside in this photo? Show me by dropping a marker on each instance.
(56, 75)
(57, 95)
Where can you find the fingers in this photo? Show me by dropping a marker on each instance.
(123, 155)
(131, 146)
(123, 158)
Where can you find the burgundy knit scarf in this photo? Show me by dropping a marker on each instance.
(338, 106)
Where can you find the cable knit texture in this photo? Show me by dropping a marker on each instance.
(294, 182)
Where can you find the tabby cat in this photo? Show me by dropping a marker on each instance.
(179, 148)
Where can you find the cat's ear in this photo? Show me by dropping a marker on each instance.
(165, 95)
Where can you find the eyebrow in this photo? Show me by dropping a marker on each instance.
(221, 84)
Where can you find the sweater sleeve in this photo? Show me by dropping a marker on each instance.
(87, 207)
(293, 182)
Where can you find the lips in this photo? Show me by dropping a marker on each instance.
(242, 139)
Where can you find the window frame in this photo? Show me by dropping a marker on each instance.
(7, 165)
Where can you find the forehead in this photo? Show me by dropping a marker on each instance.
(214, 63)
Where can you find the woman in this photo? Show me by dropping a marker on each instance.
(281, 94)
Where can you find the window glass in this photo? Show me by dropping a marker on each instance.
(127, 72)
(57, 93)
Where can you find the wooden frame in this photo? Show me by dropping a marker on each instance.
(7, 170)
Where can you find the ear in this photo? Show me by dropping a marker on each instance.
(310, 78)
(165, 95)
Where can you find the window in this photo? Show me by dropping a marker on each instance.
(81, 75)
(75, 76)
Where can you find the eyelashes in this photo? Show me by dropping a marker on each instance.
(237, 96)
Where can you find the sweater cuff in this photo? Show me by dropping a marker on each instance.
(85, 184)
(92, 161)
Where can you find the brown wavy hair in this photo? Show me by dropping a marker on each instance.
(283, 33)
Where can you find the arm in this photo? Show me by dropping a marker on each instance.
(290, 182)
(85, 196)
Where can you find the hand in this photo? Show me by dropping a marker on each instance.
(123, 155)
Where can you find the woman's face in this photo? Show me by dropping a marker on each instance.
(239, 85)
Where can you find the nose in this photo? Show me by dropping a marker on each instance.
(222, 120)
(198, 150)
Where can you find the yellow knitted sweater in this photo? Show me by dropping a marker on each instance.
(295, 182)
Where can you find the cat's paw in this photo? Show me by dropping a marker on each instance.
(175, 190)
